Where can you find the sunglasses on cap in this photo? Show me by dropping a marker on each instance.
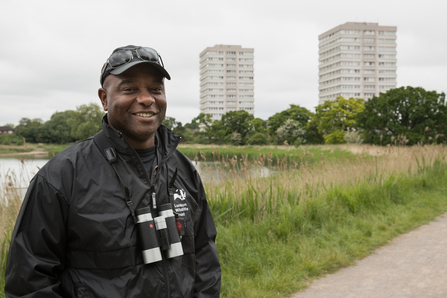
(123, 59)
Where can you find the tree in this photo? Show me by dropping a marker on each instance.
(295, 112)
(205, 122)
(418, 114)
(56, 130)
(86, 121)
(259, 125)
(236, 121)
(194, 124)
(28, 128)
(313, 136)
(290, 131)
(336, 117)
(10, 125)
(171, 123)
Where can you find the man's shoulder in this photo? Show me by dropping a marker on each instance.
(183, 161)
(68, 159)
(81, 148)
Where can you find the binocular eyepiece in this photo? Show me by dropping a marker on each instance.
(158, 234)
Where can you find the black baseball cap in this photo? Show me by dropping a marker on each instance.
(123, 58)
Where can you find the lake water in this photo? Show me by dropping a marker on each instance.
(22, 171)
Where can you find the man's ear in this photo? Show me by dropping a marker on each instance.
(102, 94)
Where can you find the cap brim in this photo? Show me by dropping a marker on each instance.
(125, 67)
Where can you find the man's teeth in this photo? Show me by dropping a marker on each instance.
(144, 114)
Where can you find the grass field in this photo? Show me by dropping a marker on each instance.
(323, 208)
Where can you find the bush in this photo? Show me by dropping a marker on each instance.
(257, 139)
(353, 137)
(297, 143)
(335, 137)
(11, 140)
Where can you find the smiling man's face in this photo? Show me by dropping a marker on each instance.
(135, 102)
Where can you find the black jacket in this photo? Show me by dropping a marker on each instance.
(75, 236)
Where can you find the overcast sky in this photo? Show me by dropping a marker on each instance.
(52, 51)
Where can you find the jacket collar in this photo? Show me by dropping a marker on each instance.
(165, 140)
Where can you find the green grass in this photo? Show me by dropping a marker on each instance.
(280, 254)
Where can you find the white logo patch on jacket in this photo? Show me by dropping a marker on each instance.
(180, 207)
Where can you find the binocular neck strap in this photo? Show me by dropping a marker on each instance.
(109, 153)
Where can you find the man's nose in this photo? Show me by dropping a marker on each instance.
(145, 98)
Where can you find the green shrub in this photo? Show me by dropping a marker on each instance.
(258, 139)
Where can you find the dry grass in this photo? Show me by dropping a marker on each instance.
(297, 182)
(11, 195)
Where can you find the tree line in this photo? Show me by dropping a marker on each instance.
(405, 115)
(63, 127)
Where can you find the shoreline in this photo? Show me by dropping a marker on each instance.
(38, 152)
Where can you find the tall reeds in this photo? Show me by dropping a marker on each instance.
(295, 182)
(10, 202)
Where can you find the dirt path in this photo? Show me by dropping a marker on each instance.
(413, 265)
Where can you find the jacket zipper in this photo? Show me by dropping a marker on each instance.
(154, 206)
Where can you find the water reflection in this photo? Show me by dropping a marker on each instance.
(18, 172)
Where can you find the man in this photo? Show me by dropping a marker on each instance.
(79, 231)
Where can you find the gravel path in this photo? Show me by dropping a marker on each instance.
(413, 265)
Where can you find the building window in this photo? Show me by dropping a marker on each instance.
(383, 56)
(369, 79)
(368, 48)
(369, 40)
(368, 32)
(389, 64)
(383, 40)
(231, 53)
